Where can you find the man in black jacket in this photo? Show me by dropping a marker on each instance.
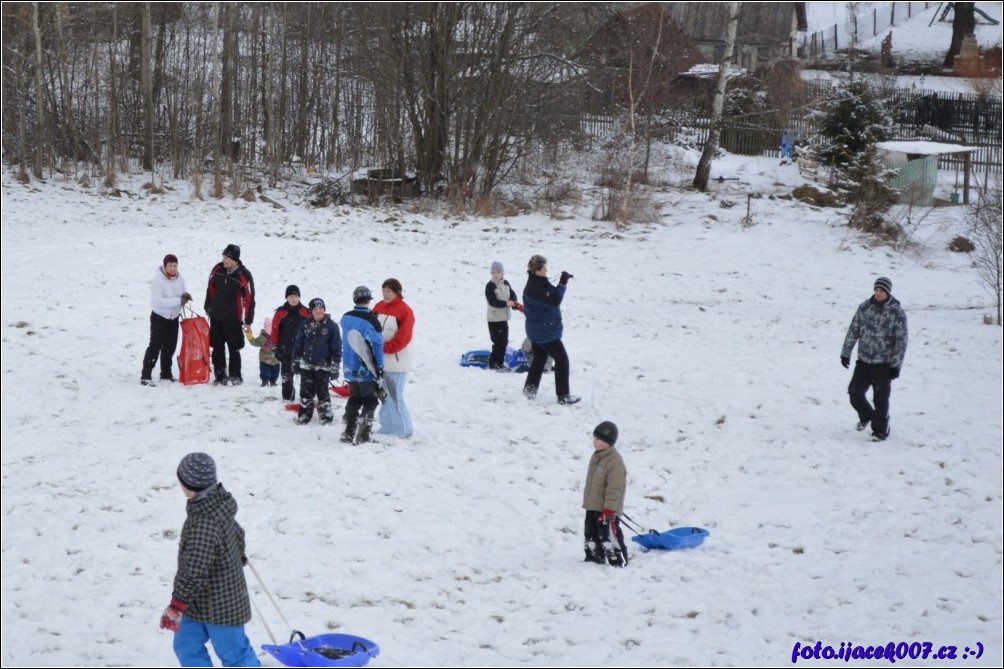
(230, 307)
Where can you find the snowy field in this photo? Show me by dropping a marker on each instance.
(715, 348)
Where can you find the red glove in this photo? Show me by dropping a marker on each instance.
(171, 618)
(606, 515)
(517, 306)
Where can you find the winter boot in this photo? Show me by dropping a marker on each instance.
(305, 414)
(530, 392)
(615, 558)
(324, 411)
(349, 435)
(593, 554)
(147, 382)
(862, 424)
(568, 399)
(365, 427)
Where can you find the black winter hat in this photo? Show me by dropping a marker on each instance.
(292, 289)
(317, 302)
(606, 431)
(233, 252)
(197, 472)
(885, 284)
(361, 295)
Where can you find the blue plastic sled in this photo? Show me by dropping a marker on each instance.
(676, 538)
(325, 650)
(515, 359)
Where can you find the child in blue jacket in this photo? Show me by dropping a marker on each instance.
(362, 352)
(317, 356)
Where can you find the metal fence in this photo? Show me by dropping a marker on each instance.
(859, 27)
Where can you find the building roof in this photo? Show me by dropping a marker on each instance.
(763, 23)
(923, 148)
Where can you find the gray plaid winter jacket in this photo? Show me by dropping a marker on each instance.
(210, 576)
(879, 330)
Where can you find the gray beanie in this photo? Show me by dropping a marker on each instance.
(885, 284)
(197, 472)
(497, 267)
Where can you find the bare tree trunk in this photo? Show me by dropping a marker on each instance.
(40, 143)
(215, 115)
(715, 131)
(147, 83)
(963, 23)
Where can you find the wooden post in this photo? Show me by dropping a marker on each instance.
(965, 178)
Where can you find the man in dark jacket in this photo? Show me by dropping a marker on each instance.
(317, 356)
(286, 323)
(210, 598)
(879, 330)
(542, 308)
(230, 307)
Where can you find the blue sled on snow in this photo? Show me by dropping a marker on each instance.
(674, 539)
(325, 650)
(515, 359)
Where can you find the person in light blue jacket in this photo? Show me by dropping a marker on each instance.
(362, 341)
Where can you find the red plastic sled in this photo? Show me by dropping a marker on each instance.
(193, 361)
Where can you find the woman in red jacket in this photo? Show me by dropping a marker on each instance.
(398, 321)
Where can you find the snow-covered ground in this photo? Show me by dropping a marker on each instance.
(714, 347)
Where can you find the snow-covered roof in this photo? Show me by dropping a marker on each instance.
(923, 148)
(710, 71)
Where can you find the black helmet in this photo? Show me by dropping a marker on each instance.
(361, 295)
(606, 431)
(233, 252)
(317, 302)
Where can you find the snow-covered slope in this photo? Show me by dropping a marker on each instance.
(713, 347)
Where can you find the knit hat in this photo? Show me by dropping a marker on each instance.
(317, 302)
(885, 284)
(606, 431)
(361, 295)
(197, 472)
(497, 267)
(233, 252)
(170, 257)
(292, 289)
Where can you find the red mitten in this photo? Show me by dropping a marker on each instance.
(171, 618)
(606, 515)
(517, 306)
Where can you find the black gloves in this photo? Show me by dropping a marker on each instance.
(565, 276)
(845, 361)
(379, 373)
(336, 369)
(894, 372)
(296, 366)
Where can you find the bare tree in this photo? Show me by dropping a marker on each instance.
(988, 238)
(715, 131)
(963, 23)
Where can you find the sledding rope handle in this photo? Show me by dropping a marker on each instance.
(270, 597)
(263, 622)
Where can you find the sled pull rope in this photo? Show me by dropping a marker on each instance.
(631, 525)
(270, 598)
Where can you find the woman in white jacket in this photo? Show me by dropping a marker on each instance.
(167, 296)
(397, 321)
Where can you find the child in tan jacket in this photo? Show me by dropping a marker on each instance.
(603, 500)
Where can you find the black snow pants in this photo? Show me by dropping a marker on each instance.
(876, 376)
(163, 344)
(605, 541)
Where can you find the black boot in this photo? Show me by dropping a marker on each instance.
(593, 554)
(365, 427)
(324, 411)
(349, 435)
(306, 413)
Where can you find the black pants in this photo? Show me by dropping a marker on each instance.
(499, 333)
(224, 337)
(362, 404)
(314, 382)
(599, 541)
(163, 343)
(875, 376)
(286, 363)
(556, 350)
